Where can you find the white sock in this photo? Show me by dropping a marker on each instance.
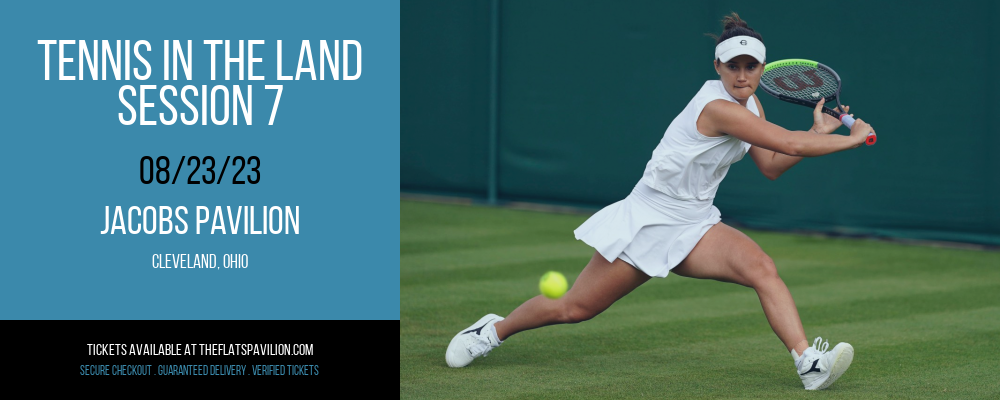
(796, 356)
(493, 334)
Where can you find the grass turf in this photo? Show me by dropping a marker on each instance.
(924, 321)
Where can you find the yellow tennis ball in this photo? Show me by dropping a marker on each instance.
(553, 285)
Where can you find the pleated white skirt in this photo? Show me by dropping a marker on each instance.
(648, 229)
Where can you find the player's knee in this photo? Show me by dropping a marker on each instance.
(761, 269)
(575, 312)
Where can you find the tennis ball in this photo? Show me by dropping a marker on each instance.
(553, 285)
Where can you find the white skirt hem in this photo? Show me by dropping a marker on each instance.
(656, 231)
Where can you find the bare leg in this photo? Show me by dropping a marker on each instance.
(726, 254)
(599, 285)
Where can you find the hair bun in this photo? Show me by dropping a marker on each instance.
(733, 25)
(733, 20)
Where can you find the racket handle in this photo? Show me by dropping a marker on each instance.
(848, 121)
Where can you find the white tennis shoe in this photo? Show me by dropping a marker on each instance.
(819, 368)
(474, 341)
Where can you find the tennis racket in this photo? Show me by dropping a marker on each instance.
(805, 82)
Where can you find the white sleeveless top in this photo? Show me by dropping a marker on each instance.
(687, 165)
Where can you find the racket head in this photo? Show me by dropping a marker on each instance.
(800, 81)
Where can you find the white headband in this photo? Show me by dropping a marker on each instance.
(740, 45)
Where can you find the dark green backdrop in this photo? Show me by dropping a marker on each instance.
(586, 89)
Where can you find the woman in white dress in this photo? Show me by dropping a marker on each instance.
(668, 222)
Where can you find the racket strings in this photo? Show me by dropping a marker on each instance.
(801, 82)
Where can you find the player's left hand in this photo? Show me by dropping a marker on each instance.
(823, 123)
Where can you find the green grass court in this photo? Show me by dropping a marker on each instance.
(924, 321)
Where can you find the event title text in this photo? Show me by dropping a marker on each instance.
(97, 58)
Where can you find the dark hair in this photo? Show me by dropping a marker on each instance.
(732, 26)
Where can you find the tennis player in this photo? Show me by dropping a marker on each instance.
(668, 222)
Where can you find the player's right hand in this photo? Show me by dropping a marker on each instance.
(859, 132)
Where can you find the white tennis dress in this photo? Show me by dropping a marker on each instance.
(670, 209)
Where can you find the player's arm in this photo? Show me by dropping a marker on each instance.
(721, 116)
(771, 163)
